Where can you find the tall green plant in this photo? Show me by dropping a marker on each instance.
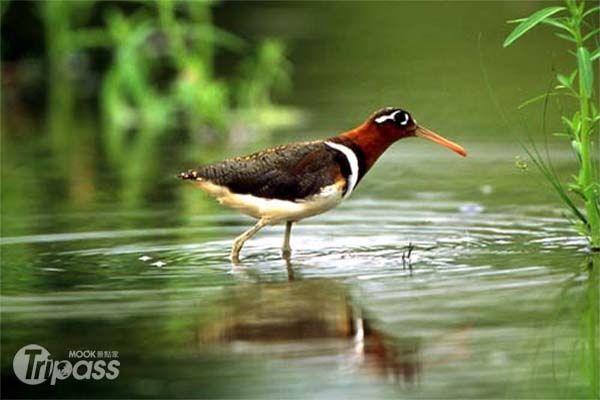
(574, 23)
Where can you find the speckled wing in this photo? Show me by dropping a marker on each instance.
(289, 172)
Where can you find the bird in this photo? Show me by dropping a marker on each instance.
(291, 182)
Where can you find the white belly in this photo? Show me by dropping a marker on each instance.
(275, 210)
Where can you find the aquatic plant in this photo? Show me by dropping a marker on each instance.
(163, 76)
(574, 23)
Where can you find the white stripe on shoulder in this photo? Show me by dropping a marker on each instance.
(352, 160)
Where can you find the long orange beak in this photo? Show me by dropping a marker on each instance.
(434, 137)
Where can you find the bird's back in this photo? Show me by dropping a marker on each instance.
(290, 172)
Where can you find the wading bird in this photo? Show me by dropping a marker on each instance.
(295, 181)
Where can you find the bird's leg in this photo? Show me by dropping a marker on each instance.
(240, 240)
(286, 250)
(290, 269)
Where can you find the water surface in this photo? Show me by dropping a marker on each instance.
(497, 299)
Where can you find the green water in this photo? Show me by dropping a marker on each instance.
(499, 298)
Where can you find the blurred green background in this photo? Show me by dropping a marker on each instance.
(103, 103)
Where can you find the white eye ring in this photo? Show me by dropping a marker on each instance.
(405, 119)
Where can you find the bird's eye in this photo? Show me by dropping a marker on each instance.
(402, 118)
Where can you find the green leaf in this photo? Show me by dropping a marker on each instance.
(565, 37)
(529, 23)
(563, 80)
(535, 99)
(572, 76)
(575, 188)
(591, 34)
(558, 24)
(576, 146)
(567, 122)
(576, 123)
(595, 54)
(591, 10)
(584, 64)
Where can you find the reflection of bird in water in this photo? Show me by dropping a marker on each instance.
(292, 182)
(273, 319)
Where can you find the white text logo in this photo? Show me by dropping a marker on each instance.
(33, 365)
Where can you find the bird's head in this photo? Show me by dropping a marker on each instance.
(394, 123)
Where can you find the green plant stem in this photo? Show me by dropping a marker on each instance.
(586, 176)
(591, 326)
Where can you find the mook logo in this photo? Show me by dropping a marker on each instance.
(33, 365)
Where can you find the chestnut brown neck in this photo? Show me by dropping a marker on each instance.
(370, 140)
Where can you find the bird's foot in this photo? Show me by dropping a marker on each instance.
(286, 253)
